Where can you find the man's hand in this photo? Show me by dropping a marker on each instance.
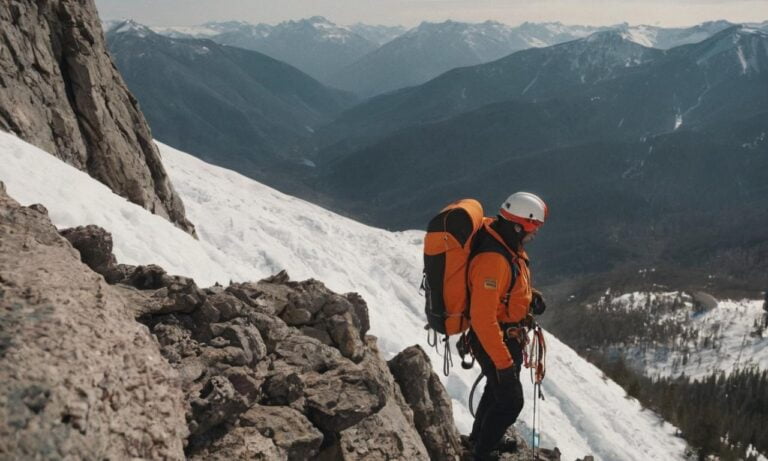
(538, 305)
(508, 375)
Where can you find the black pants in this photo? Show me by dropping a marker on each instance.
(501, 404)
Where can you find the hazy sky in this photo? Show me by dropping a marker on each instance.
(412, 12)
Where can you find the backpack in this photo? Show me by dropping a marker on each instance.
(448, 248)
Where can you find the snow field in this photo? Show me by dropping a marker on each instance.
(248, 231)
(735, 344)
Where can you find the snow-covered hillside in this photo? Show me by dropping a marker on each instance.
(248, 231)
(711, 340)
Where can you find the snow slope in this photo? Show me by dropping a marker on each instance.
(722, 339)
(248, 231)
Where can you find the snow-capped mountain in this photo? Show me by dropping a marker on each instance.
(428, 50)
(665, 38)
(538, 35)
(377, 33)
(212, 29)
(313, 45)
(433, 48)
(247, 231)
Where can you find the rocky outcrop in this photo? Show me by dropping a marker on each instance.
(274, 369)
(81, 379)
(429, 400)
(60, 91)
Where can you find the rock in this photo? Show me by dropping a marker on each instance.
(360, 309)
(390, 433)
(81, 379)
(273, 330)
(318, 334)
(263, 297)
(246, 337)
(339, 399)
(307, 354)
(94, 245)
(288, 429)
(296, 316)
(240, 443)
(61, 92)
(283, 388)
(429, 401)
(346, 336)
(217, 402)
(227, 305)
(245, 382)
(149, 277)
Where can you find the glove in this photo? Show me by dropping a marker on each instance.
(538, 305)
(508, 375)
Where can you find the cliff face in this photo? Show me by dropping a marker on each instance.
(60, 91)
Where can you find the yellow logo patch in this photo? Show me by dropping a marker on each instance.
(490, 284)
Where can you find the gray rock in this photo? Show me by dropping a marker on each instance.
(283, 388)
(81, 379)
(288, 429)
(273, 330)
(346, 336)
(341, 398)
(246, 337)
(390, 433)
(61, 92)
(94, 245)
(240, 443)
(217, 402)
(318, 334)
(307, 354)
(429, 401)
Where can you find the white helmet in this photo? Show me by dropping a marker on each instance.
(526, 209)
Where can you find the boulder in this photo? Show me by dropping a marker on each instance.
(341, 398)
(94, 245)
(288, 429)
(429, 401)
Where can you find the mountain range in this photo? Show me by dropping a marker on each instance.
(623, 139)
(370, 59)
(225, 104)
(315, 45)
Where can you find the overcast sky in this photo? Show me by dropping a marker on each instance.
(412, 12)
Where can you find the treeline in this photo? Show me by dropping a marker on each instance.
(606, 323)
(718, 415)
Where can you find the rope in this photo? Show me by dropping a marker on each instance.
(537, 362)
(431, 337)
(447, 357)
(472, 394)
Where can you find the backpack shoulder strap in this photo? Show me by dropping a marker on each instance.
(487, 241)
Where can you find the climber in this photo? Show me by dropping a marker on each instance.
(501, 303)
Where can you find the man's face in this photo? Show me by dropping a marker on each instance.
(530, 236)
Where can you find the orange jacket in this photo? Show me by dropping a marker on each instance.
(489, 278)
